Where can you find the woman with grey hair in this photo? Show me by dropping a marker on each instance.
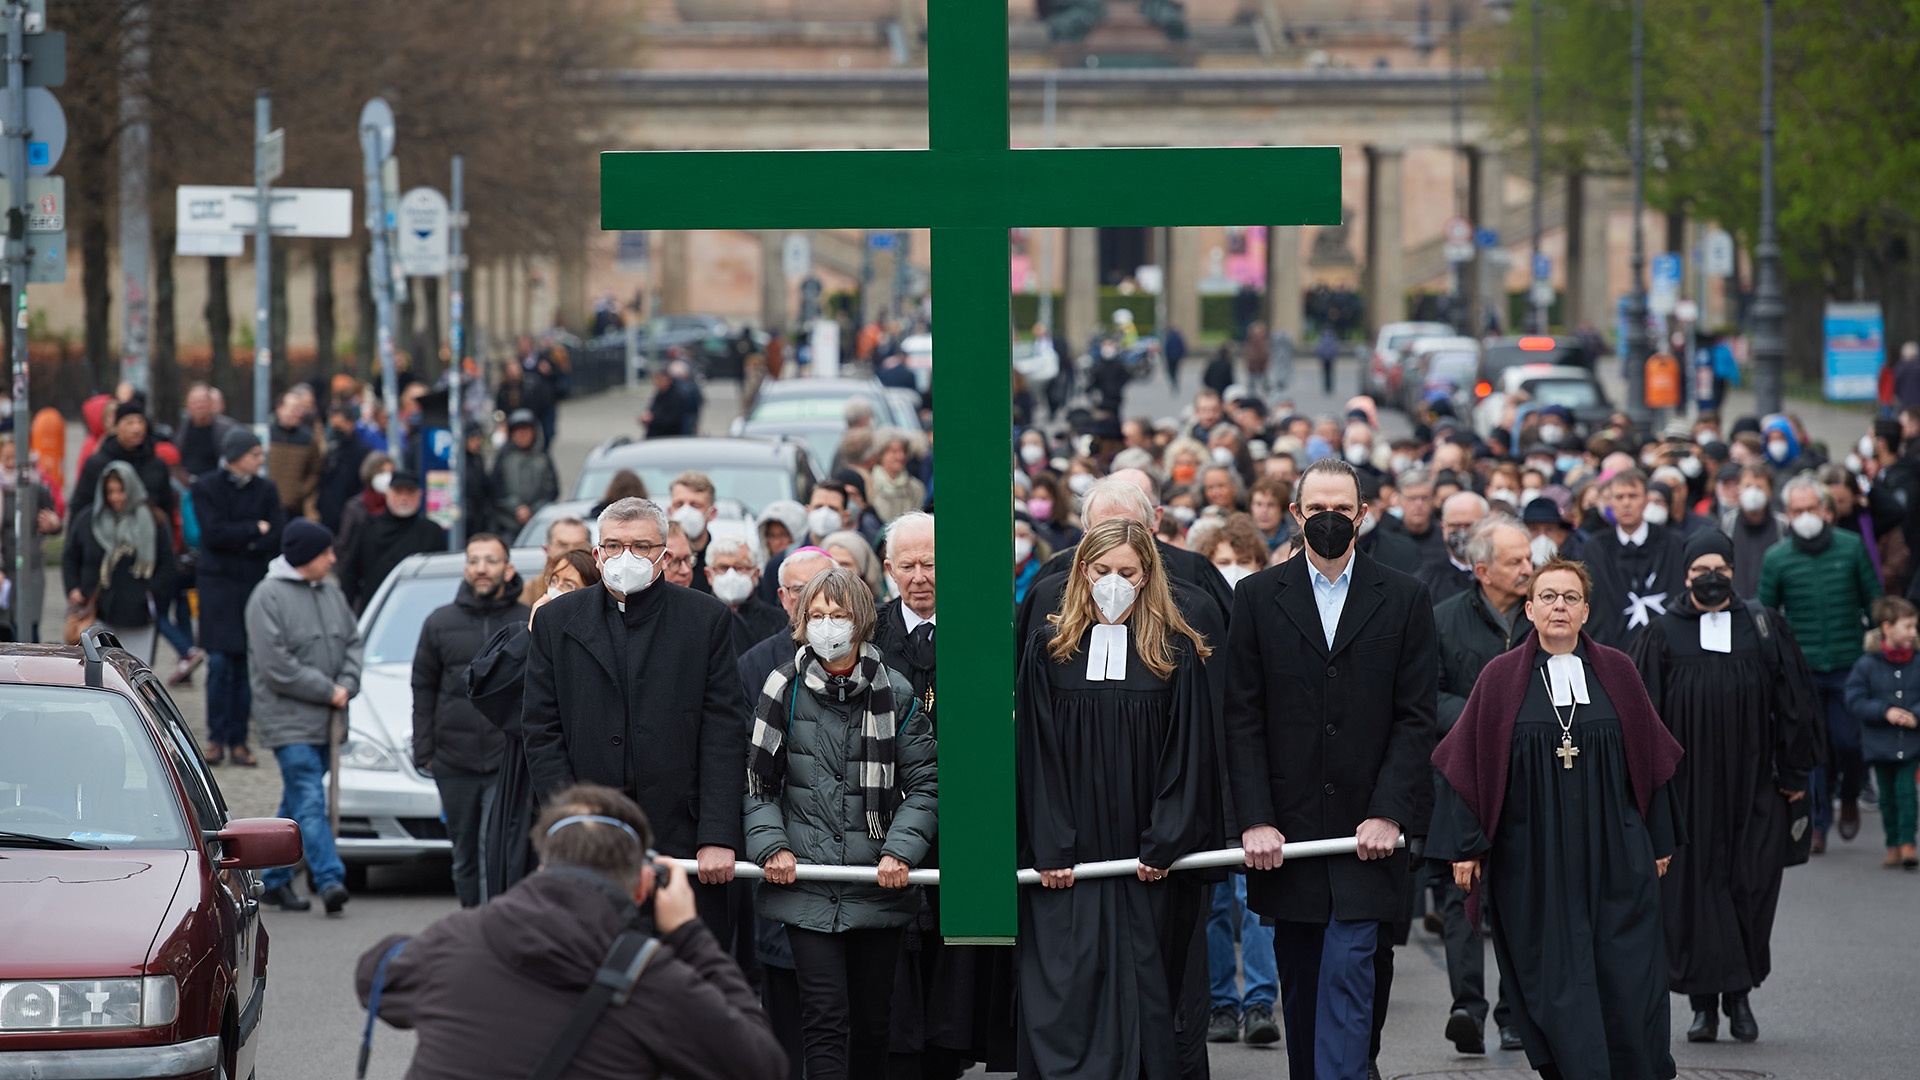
(840, 772)
(892, 489)
(852, 551)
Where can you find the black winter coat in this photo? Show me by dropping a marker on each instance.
(753, 622)
(379, 546)
(490, 989)
(234, 553)
(152, 472)
(340, 474)
(648, 702)
(1319, 740)
(446, 727)
(1471, 635)
(124, 601)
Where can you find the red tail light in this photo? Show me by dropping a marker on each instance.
(1481, 390)
(1537, 344)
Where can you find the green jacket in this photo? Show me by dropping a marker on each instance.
(820, 816)
(1825, 596)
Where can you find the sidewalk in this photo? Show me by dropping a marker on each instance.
(1838, 424)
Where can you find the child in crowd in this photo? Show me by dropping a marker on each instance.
(1883, 692)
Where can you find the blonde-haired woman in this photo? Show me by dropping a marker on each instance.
(1113, 708)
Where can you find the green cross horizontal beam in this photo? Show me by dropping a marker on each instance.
(886, 189)
(970, 188)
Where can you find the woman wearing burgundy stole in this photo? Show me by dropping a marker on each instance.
(1552, 805)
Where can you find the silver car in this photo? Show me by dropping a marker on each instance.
(389, 812)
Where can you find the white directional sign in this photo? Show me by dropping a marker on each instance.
(422, 228)
(46, 202)
(209, 243)
(796, 255)
(1719, 254)
(274, 151)
(311, 212)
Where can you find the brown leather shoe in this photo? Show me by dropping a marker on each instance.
(1893, 858)
(1819, 843)
(1849, 819)
(215, 753)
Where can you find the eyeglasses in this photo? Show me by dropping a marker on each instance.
(1549, 599)
(612, 548)
(485, 560)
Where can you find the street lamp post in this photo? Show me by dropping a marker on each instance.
(1769, 309)
(1638, 347)
(1539, 178)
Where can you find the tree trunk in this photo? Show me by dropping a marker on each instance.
(103, 368)
(404, 341)
(323, 328)
(219, 312)
(429, 339)
(277, 319)
(368, 337)
(165, 375)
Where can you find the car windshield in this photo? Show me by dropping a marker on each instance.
(1457, 368)
(79, 765)
(396, 624)
(807, 408)
(1566, 393)
(822, 443)
(753, 485)
(1502, 357)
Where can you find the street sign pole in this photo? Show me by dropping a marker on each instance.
(262, 271)
(376, 144)
(16, 140)
(457, 316)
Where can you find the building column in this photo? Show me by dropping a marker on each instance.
(775, 312)
(1588, 207)
(1081, 319)
(673, 271)
(1285, 281)
(1386, 285)
(1486, 278)
(1183, 281)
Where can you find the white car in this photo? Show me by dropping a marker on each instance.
(1572, 388)
(389, 812)
(918, 349)
(1433, 365)
(1381, 380)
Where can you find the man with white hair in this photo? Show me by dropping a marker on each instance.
(1453, 574)
(733, 574)
(634, 685)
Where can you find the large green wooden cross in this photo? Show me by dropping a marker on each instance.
(969, 189)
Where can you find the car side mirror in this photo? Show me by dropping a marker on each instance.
(259, 843)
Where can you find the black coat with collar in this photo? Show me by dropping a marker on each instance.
(655, 710)
(1319, 739)
(1657, 569)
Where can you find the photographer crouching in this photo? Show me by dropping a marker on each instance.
(559, 977)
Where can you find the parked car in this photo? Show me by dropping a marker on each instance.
(1449, 365)
(821, 436)
(918, 349)
(753, 471)
(132, 941)
(826, 399)
(1381, 378)
(389, 812)
(704, 341)
(1531, 349)
(1575, 389)
(534, 532)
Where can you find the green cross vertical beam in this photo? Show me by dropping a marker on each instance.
(969, 188)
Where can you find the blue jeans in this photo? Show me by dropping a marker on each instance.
(229, 698)
(303, 797)
(174, 617)
(1256, 950)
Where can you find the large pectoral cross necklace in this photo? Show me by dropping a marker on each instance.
(1567, 751)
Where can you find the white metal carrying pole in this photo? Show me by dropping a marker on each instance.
(1200, 860)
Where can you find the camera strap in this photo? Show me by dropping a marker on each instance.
(612, 985)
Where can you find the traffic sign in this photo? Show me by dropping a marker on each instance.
(1666, 284)
(36, 16)
(880, 240)
(48, 122)
(1542, 267)
(1686, 311)
(376, 129)
(307, 212)
(1486, 238)
(46, 59)
(209, 243)
(796, 254)
(1457, 240)
(1719, 254)
(46, 202)
(424, 239)
(46, 258)
(1541, 294)
(273, 154)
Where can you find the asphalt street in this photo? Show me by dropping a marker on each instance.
(1837, 1007)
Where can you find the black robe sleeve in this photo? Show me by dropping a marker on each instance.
(1799, 716)
(1649, 654)
(1044, 806)
(1455, 834)
(1185, 800)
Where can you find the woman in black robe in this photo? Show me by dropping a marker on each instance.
(1552, 804)
(495, 680)
(1738, 702)
(1113, 707)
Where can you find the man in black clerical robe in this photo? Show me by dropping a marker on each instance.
(1638, 567)
(1728, 680)
(1552, 798)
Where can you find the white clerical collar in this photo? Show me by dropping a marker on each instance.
(1716, 631)
(910, 620)
(1107, 652)
(1465, 568)
(1636, 537)
(1322, 579)
(1567, 678)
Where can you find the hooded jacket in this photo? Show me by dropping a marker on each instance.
(146, 464)
(302, 641)
(523, 478)
(447, 729)
(491, 988)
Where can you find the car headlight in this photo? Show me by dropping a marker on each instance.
(89, 1003)
(358, 753)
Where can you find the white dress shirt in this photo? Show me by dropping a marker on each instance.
(911, 621)
(1634, 538)
(1331, 596)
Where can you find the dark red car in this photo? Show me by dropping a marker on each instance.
(130, 936)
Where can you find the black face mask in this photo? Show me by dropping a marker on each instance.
(1712, 590)
(1329, 533)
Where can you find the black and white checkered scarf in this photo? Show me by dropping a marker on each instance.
(869, 685)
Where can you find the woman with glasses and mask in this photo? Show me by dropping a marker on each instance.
(1113, 717)
(1728, 679)
(1553, 804)
(840, 772)
(496, 682)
